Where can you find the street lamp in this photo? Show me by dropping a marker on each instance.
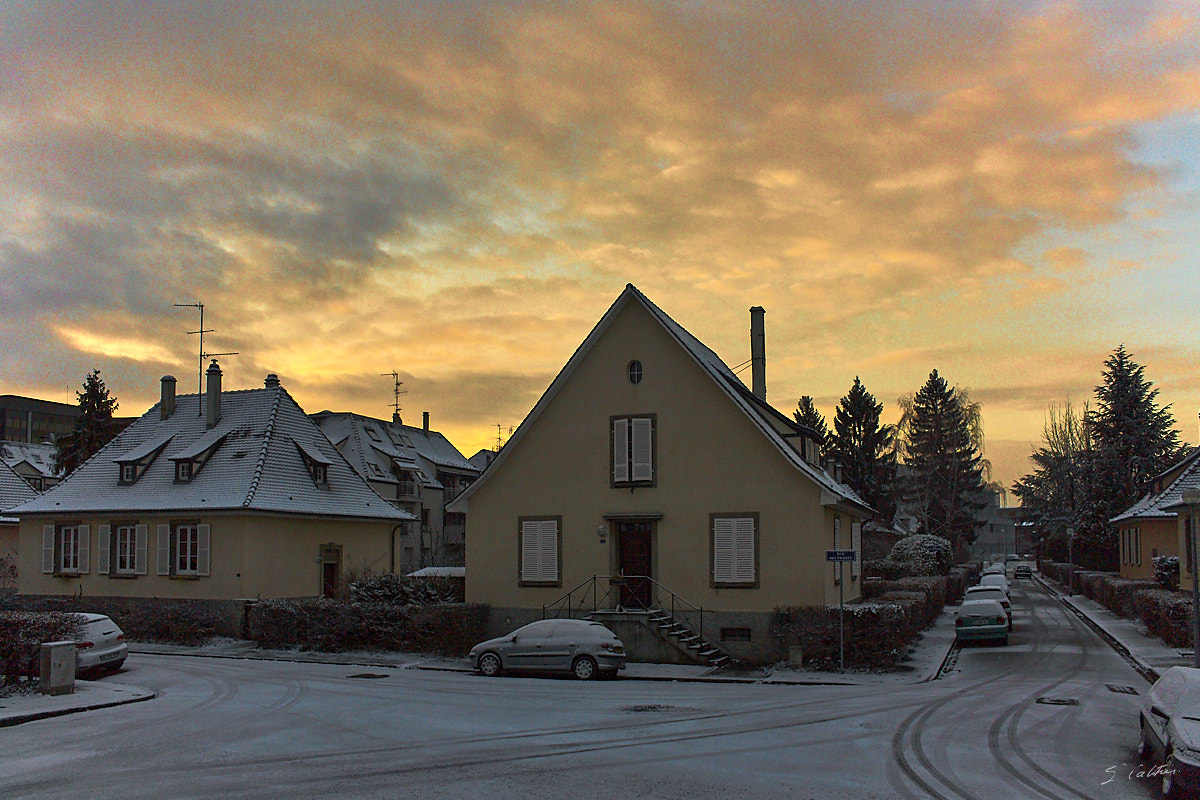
(1191, 498)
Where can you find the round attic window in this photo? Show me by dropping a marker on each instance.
(635, 371)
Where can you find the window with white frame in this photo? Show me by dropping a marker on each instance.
(125, 539)
(65, 548)
(540, 548)
(633, 450)
(183, 549)
(735, 550)
(121, 549)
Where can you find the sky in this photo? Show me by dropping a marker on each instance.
(1001, 191)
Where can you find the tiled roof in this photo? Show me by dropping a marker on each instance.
(13, 490)
(1163, 505)
(372, 445)
(766, 418)
(256, 465)
(38, 456)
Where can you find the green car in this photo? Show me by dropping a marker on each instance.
(980, 621)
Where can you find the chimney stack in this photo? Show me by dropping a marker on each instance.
(213, 373)
(167, 402)
(758, 352)
(425, 421)
(272, 381)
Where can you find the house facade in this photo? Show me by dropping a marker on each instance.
(416, 469)
(33, 462)
(1151, 526)
(221, 496)
(14, 490)
(647, 475)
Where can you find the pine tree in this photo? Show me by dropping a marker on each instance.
(807, 415)
(944, 481)
(865, 449)
(94, 427)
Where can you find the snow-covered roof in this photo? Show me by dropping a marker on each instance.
(439, 572)
(256, 466)
(13, 491)
(40, 457)
(373, 446)
(775, 426)
(1165, 504)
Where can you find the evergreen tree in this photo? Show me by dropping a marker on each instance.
(1054, 495)
(807, 415)
(943, 481)
(94, 427)
(865, 449)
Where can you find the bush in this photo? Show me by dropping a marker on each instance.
(190, 622)
(878, 632)
(402, 590)
(21, 636)
(1117, 593)
(1167, 615)
(332, 626)
(924, 554)
(1166, 571)
(885, 568)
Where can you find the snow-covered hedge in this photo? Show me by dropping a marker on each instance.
(143, 619)
(924, 554)
(403, 590)
(21, 636)
(884, 568)
(1166, 614)
(333, 626)
(1166, 571)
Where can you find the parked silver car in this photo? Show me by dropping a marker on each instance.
(101, 645)
(581, 647)
(1170, 724)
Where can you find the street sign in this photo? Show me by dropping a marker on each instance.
(839, 555)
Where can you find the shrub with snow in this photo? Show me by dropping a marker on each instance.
(924, 554)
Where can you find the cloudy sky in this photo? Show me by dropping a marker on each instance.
(457, 191)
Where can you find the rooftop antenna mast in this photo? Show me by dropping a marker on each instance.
(203, 355)
(499, 434)
(396, 392)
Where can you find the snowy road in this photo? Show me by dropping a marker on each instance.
(257, 729)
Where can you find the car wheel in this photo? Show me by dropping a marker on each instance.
(1144, 746)
(489, 665)
(585, 668)
(1168, 778)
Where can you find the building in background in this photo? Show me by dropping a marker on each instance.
(418, 470)
(33, 462)
(26, 419)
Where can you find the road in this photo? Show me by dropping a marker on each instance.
(260, 729)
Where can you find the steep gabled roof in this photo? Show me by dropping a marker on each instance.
(1162, 505)
(256, 466)
(373, 445)
(13, 491)
(39, 457)
(766, 418)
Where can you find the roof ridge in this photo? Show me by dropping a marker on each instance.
(266, 445)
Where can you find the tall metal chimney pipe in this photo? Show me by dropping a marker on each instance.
(758, 352)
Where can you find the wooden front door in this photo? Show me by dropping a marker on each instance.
(331, 571)
(634, 539)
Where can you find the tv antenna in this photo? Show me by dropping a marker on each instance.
(396, 392)
(203, 355)
(499, 433)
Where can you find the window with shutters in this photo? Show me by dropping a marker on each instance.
(734, 554)
(65, 548)
(540, 550)
(121, 549)
(633, 451)
(856, 545)
(183, 549)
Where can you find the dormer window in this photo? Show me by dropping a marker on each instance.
(134, 462)
(190, 460)
(320, 473)
(128, 473)
(316, 464)
(183, 470)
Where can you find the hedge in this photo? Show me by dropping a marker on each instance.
(404, 590)
(334, 626)
(190, 622)
(885, 568)
(21, 636)
(1166, 615)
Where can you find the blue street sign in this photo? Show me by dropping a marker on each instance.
(839, 555)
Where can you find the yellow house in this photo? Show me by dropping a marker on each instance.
(650, 485)
(1187, 517)
(219, 496)
(1152, 526)
(13, 490)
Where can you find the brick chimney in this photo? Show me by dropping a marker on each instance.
(425, 421)
(758, 352)
(272, 381)
(167, 401)
(213, 394)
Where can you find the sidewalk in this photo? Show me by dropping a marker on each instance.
(922, 664)
(1151, 657)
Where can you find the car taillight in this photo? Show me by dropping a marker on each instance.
(84, 645)
(1001, 620)
(121, 637)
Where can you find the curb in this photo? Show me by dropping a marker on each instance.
(17, 719)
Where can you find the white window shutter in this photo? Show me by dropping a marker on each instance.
(529, 550)
(643, 450)
(548, 550)
(164, 550)
(620, 450)
(743, 529)
(85, 538)
(103, 545)
(723, 550)
(47, 549)
(203, 534)
(856, 543)
(837, 533)
(141, 534)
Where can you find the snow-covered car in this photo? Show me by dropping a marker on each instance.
(982, 621)
(101, 645)
(1170, 730)
(993, 569)
(1023, 571)
(991, 593)
(581, 647)
(995, 580)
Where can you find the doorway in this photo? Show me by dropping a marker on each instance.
(331, 571)
(635, 562)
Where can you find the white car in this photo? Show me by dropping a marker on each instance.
(996, 580)
(101, 645)
(991, 593)
(1170, 725)
(581, 647)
